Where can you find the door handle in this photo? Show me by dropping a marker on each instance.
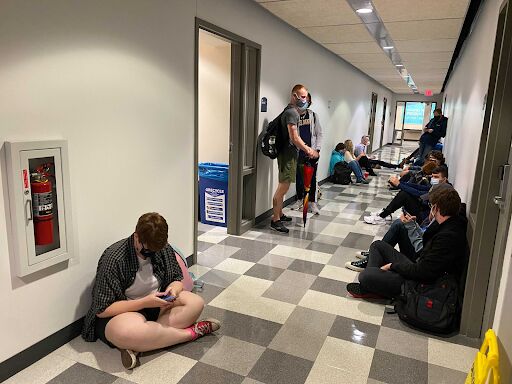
(28, 217)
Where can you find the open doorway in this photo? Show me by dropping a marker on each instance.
(226, 121)
(410, 118)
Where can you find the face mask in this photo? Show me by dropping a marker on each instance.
(147, 253)
(434, 181)
(301, 104)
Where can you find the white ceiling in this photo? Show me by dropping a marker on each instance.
(425, 33)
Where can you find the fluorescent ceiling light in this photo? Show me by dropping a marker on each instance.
(364, 10)
(399, 65)
(388, 47)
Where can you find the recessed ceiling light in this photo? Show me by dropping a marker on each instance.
(364, 10)
(388, 47)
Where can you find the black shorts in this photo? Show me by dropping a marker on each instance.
(151, 314)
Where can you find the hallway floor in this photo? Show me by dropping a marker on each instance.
(286, 316)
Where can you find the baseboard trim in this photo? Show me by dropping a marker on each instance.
(322, 182)
(29, 356)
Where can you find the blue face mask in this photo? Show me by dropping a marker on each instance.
(434, 181)
(301, 104)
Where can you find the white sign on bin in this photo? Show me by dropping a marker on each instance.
(215, 205)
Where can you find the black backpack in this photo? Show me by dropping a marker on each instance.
(431, 307)
(341, 173)
(274, 139)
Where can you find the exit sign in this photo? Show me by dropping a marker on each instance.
(428, 92)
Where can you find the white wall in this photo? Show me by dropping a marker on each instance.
(465, 94)
(214, 98)
(116, 79)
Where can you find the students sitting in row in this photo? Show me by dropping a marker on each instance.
(410, 194)
(443, 251)
(339, 154)
(404, 232)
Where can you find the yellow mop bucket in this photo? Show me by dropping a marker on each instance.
(487, 360)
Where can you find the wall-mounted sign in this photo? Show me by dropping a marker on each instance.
(263, 104)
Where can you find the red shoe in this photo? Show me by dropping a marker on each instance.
(356, 291)
(204, 327)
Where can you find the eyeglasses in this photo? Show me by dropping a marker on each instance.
(429, 204)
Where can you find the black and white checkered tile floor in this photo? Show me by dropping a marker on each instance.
(286, 316)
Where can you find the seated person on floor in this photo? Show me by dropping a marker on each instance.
(405, 231)
(348, 153)
(336, 157)
(368, 162)
(138, 302)
(409, 198)
(416, 177)
(436, 156)
(444, 247)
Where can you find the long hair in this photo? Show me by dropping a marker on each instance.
(349, 146)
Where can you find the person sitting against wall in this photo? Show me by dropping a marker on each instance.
(410, 192)
(444, 247)
(368, 162)
(436, 156)
(404, 232)
(336, 157)
(138, 302)
(348, 153)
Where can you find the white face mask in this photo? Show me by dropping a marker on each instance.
(434, 181)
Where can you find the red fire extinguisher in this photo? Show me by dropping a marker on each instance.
(42, 205)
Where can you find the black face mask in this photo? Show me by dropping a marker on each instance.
(147, 253)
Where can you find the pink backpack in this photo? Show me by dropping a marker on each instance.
(188, 282)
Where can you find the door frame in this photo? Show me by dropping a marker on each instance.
(488, 224)
(383, 122)
(238, 107)
(371, 124)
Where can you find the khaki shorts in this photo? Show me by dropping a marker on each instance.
(287, 164)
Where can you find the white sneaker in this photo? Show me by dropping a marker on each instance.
(297, 206)
(362, 254)
(313, 207)
(374, 220)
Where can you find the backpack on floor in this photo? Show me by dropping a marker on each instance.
(189, 280)
(431, 307)
(341, 173)
(274, 138)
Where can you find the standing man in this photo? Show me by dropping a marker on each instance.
(310, 132)
(287, 157)
(433, 131)
(368, 162)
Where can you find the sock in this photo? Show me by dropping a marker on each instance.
(192, 333)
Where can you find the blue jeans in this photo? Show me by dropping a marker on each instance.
(356, 168)
(425, 149)
(398, 234)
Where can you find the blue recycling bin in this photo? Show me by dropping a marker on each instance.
(213, 193)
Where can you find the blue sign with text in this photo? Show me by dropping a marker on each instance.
(414, 113)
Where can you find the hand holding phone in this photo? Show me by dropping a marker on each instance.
(168, 298)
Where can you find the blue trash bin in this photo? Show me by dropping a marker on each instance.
(213, 193)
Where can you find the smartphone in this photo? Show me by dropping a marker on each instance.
(405, 212)
(168, 298)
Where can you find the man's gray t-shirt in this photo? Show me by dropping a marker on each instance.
(359, 148)
(290, 116)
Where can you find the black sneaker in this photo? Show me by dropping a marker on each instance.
(357, 266)
(279, 226)
(362, 254)
(358, 292)
(285, 218)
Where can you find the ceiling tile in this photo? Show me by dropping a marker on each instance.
(339, 34)
(368, 47)
(427, 65)
(408, 10)
(417, 30)
(366, 57)
(426, 57)
(437, 45)
(307, 13)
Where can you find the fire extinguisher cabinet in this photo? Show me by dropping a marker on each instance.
(39, 203)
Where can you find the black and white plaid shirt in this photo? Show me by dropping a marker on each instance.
(116, 272)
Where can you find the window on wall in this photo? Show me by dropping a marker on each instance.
(434, 106)
(411, 117)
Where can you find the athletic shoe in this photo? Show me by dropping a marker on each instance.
(313, 207)
(362, 181)
(205, 327)
(373, 174)
(129, 358)
(279, 226)
(297, 206)
(357, 266)
(358, 292)
(362, 254)
(285, 218)
(374, 220)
